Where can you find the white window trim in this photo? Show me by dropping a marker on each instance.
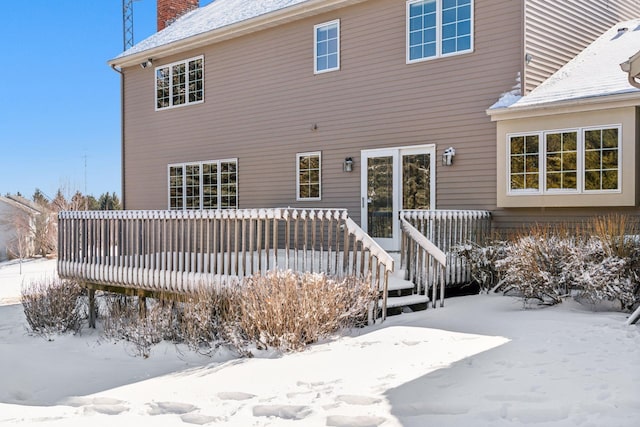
(542, 162)
(439, 53)
(170, 65)
(526, 192)
(620, 155)
(315, 47)
(308, 154)
(201, 192)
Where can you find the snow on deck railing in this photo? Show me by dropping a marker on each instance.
(448, 230)
(423, 262)
(178, 251)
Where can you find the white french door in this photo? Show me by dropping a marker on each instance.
(395, 179)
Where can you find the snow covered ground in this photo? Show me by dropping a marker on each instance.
(480, 361)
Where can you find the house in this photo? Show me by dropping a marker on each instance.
(571, 144)
(318, 135)
(16, 221)
(375, 106)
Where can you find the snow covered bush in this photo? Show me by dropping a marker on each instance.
(482, 261)
(205, 319)
(596, 262)
(143, 323)
(288, 310)
(53, 306)
(539, 266)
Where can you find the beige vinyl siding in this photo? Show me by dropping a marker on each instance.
(262, 98)
(556, 31)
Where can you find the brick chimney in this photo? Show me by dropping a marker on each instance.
(170, 10)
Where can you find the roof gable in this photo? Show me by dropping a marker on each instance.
(593, 73)
(221, 15)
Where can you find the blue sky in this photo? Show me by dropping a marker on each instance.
(61, 101)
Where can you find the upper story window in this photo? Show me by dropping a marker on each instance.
(204, 185)
(437, 28)
(180, 83)
(585, 160)
(309, 170)
(326, 46)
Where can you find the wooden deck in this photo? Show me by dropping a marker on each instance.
(174, 252)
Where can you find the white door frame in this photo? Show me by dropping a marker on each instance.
(393, 243)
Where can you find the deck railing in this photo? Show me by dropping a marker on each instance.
(448, 230)
(424, 263)
(178, 251)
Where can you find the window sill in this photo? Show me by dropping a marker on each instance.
(566, 200)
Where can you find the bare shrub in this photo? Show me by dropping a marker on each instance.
(482, 262)
(616, 232)
(206, 318)
(142, 322)
(288, 310)
(53, 306)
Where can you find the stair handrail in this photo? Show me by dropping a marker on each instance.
(432, 250)
(368, 244)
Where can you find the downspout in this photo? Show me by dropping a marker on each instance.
(122, 163)
(633, 81)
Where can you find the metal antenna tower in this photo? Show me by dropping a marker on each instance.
(127, 24)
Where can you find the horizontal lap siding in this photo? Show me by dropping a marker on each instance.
(556, 31)
(261, 100)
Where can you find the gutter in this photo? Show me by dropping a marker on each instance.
(632, 67)
(122, 194)
(260, 22)
(627, 99)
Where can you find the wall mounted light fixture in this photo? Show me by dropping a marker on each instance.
(348, 164)
(147, 63)
(447, 156)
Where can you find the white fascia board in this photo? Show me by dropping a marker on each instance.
(569, 106)
(632, 66)
(238, 29)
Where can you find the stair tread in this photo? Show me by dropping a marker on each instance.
(406, 300)
(396, 283)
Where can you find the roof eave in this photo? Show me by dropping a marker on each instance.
(238, 29)
(627, 99)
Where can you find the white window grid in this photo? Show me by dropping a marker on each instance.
(221, 176)
(431, 25)
(299, 170)
(581, 185)
(326, 47)
(179, 83)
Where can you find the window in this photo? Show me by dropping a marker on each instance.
(180, 83)
(204, 185)
(570, 161)
(562, 160)
(437, 28)
(601, 160)
(308, 176)
(525, 163)
(326, 46)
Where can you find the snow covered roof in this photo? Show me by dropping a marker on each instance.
(21, 203)
(222, 15)
(593, 73)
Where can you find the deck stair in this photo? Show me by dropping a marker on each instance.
(402, 295)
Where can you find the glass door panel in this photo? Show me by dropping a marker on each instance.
(380, 196)
(416, 181)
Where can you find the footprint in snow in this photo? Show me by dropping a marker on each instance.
(286, 412)
(164, 408)
(361, 421)
(235, 395)
(199, 419)
(358, 400)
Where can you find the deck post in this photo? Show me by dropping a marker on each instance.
(142, 306)
(92, 308)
